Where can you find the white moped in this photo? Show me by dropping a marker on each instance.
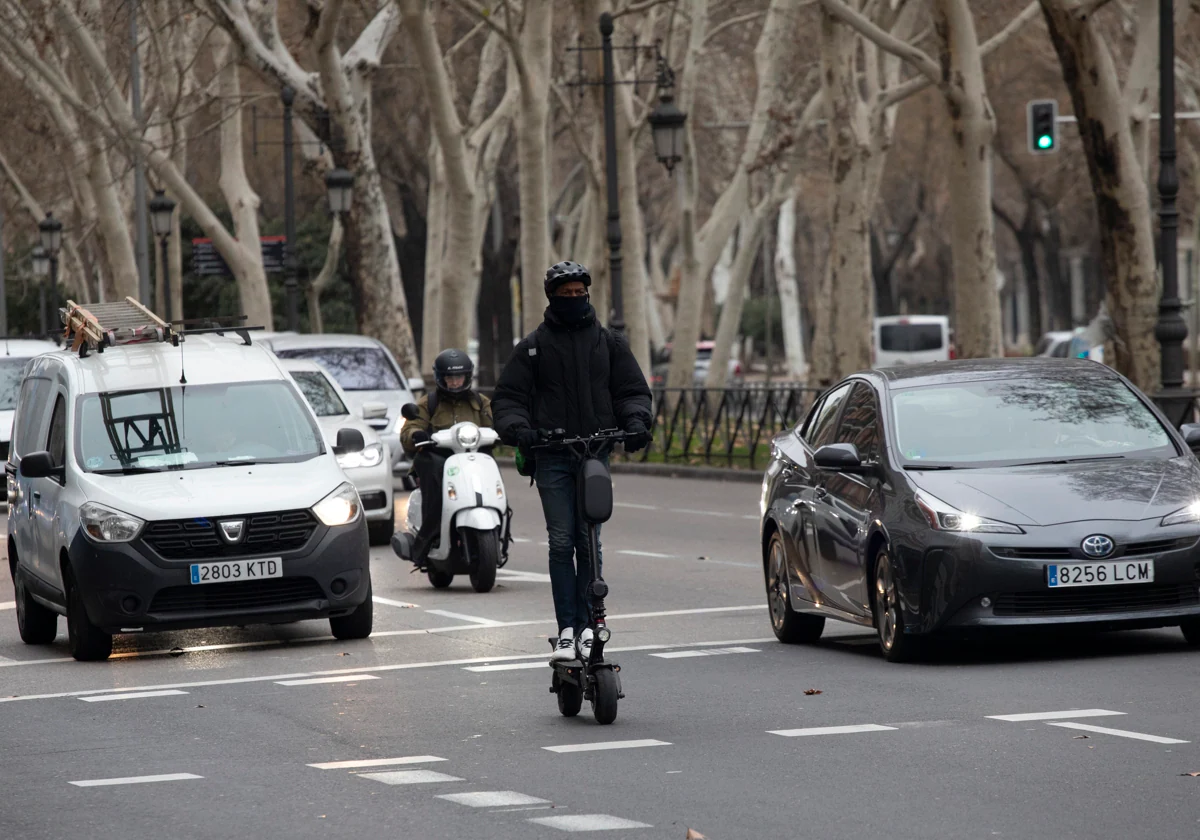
(476, 518)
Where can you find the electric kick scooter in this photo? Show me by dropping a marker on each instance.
(595, 680)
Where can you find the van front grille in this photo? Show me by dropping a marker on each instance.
(199, 538)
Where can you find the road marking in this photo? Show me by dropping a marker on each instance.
(403, 666)
(410, 777)
(1120, 733)
(511, 666)
(607, 745)
(688, 654)
(521, 540)
(831, 730)
(8, 605)
(719, 514)
(646, 554)
(474, 619)
(516, 575)
(635, 507)
(376, 762)
(529, 808)
(320, 680)
(492, 799)
(132, 695)
(389, 602)
(1073, 713)
(136, 780)
(587, 822)
(753, 516)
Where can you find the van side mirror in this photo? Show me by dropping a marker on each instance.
(409, 411)
(1191, 435)
(41, 465)
(349, 441)
(839, 457)
(374, 411)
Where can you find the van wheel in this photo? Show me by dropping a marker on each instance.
(88, 643)
(487, 560)
(37, 625)
(358, 624)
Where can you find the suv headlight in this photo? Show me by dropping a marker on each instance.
(369, 457)
(1191, 513)
(103, 524)
(468, 435)
(942, 517)
(341, 507)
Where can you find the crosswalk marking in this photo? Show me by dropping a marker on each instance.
(492, 799)
(607, 745)
(688, 654)
(376, 762)
(131, 695)
(136, 780)
(831, 730)
(1072, 713)
(321, 680)
(409, 777)
(588, 822)
(1120, 733)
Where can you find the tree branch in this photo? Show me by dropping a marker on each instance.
(1090, 8)
(637, 8)
(731, 22)
(885, 40)
(373, 41)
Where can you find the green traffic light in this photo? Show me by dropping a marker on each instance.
(1045, 142)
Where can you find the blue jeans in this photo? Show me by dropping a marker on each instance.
(556, 478)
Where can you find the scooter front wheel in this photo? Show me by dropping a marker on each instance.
(605, 696)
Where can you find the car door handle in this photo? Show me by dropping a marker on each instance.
(37, 495)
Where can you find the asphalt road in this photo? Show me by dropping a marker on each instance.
(263, 732)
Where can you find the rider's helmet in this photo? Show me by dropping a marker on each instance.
(453, 362)
(565, 272)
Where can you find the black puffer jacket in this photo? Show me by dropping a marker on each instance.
(586, 380)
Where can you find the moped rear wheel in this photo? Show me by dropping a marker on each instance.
(440, 580)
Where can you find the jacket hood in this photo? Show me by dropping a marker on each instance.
(1053, 494)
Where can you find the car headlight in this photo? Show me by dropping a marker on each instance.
(103, 524)
(1191, 513)
(369, 457)
(468, 435)
(942, 517)
(341, 507)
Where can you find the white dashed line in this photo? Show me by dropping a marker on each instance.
(8, 605)
(607, 745)
(1120, 733)
(322, 680)
(132, 695)
(389, 602)
(635, 507)
(1072, 713)
(410, 777)
(474, 619)
(376, 762)
(136, 780)
(528, 577)
(492, 799)
(508, 666)
(646, 554)
(588, 822)
(718, 514)
(688, 654)
(831, 730)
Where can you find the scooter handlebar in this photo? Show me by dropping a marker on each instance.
(559, 440)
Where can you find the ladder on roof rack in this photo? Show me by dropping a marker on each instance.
(103, 325)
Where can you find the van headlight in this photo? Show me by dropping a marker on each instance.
(341, 507)
(103, 524)
(369, 457)
(468, 435)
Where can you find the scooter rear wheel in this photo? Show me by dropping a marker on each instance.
(604, 699)
(570, 697)
(440, 580)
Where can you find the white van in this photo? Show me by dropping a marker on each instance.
(911, 340)
(15, 354)
(160, 481)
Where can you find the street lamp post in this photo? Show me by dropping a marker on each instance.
(50, 229)
(41, 269)
(290, 283)
(161, 211)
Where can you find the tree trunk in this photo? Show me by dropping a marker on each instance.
(532, 157)
(750, 234)
(435, 253)
(333, 253)
(789, 291)
(1122, 198)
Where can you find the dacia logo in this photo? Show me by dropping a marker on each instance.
(1097, 545)
(232, 530)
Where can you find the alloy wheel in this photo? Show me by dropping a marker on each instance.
(886, 602)
(777, 586)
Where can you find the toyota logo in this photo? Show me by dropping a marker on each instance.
(1098, 545)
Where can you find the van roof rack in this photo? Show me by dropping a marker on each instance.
(101, 325)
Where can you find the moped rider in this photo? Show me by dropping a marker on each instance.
(452, 401)
(572, 374)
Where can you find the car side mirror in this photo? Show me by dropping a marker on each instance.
(374, 411)
(40, 465)
(416, 383)
(1191, 435)
(839, 457)
(349, 441)
(409, 411)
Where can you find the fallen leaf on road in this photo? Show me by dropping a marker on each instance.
(694, 835)
(811, 691)
(200, 707)
(1190, 774)
(1082, 737)
(343, 653)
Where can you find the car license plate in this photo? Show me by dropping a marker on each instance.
(1100, 574)
(266, 567)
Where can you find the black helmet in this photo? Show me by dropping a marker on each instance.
(565, 272)
(453, 362)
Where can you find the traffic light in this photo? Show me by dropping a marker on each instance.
(1043, 126)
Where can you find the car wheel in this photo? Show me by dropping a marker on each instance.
(88, 643)
(889, 619)
(790, 626)
(36, 624)
(380, 533)
(358, 624)
(1191, 632)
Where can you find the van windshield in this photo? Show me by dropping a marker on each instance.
(10, 381)
(194, 427)
(910, 338)
(354, 368)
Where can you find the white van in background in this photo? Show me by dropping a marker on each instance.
(911, 339)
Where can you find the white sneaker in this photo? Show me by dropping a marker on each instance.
(565, 651)
(584, 645)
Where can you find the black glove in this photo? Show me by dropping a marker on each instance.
(527, 438)
(636, 437)
(420, 436)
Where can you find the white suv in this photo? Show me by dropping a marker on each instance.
(160, 487)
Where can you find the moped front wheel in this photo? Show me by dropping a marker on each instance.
(485, 561)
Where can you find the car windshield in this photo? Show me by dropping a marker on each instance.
(10, 381)
(1021, 421)
(320, 393)
(910, 338)
(194, 427)
(354, 368)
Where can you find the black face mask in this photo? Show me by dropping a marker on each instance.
(570, 310)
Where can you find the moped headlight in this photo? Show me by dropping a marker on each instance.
(103, 524)
(341, 507)
(468, 435)
(369, 457)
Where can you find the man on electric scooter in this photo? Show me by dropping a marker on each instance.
(571, 374)
(452, 401)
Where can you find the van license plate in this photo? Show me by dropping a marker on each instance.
(1100, 574)
(267, 567)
